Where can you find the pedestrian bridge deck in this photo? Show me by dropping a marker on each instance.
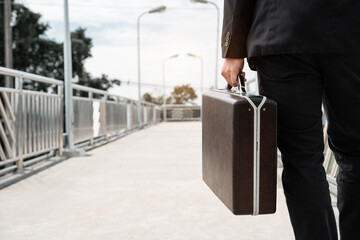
(146, 185)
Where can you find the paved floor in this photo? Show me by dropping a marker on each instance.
(144, 186)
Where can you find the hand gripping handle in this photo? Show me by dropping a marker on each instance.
(241, 85)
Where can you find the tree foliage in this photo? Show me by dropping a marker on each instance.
(183, 94)
(33, 52)
(156, 100)
(180, 95)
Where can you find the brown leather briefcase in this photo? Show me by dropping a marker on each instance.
(239, 153)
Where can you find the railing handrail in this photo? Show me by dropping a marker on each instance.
(30, 76)
(34, 77)
(92, 90)
(105, 93)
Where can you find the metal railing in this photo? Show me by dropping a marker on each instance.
(31, 122)
(117, 116)
(176, 112)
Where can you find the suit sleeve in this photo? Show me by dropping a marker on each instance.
(238, 15)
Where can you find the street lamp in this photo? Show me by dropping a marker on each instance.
(202, 69)
(217, 33)
(69, 116)
(159, 9)
(164, 98)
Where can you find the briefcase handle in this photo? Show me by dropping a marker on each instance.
(241, 85)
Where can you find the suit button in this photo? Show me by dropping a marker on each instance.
(228, 34)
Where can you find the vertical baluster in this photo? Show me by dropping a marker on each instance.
(57, 121)
(60, 114)
(46, 119)
(51, 120)
(38, 122)
(52, 109)
(25, 112)
(13, 109)
(38, 137)
(35, 122)
(75, 127)
(92, 126)
(127, 104)
(28, 126)
(29, 107)
(48, 114)
(105, 117)
(43, 123)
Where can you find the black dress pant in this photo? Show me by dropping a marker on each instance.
(300, 84)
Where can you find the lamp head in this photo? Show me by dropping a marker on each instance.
(159, 9)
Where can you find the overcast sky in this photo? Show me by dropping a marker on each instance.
(183, 28)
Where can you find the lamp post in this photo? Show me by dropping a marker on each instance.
(159, 9)
(202, 69)
(201, 79)
(69, 115)
(8, 42)
(164, 98)
(217, 34)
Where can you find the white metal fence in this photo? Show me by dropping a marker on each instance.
(117, 115)
(176, 112)
(31, 122)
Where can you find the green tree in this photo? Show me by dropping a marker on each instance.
(180, 95)
(156, 100)
(102, 82)
(81, 50)
(33, 52)
(183, 94)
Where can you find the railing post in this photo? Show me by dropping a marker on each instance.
(20, 130)
(13, 105)
(127, 116)
(91, 97)
(105, 117)
(118, 124)
(69, 111)
(61, 122)
(143, 114)
(154, 113)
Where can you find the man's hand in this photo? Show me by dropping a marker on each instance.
(231, 69)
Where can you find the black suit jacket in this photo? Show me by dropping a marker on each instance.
(268, 27)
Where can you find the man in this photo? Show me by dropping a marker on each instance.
(306, 53)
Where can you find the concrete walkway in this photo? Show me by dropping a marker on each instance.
(146, 185)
